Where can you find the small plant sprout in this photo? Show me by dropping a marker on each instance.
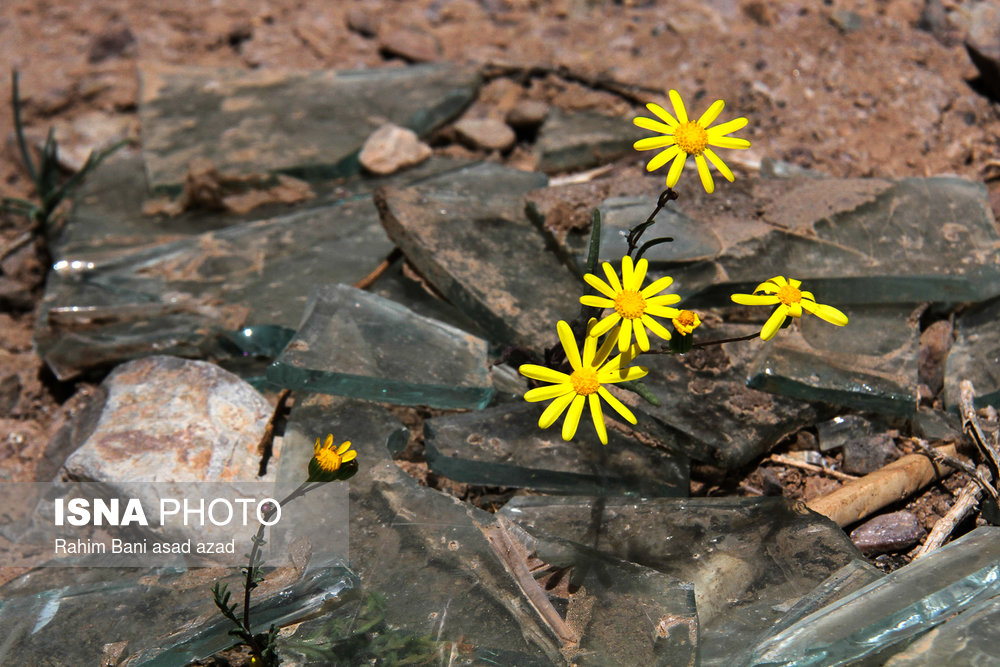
(683, 137)
(584, 384)
(633, 307)
(791, 301)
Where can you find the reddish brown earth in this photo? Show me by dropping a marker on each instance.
(891, 98)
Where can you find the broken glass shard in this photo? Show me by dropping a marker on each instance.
(970, 638)
(503, 446)
(703, 396)
(467, 233)
(749, 559)
(354, 343)
(183, 297)
(876, 619)
(451, 572)
(870, 364)
(975, 356)
(304, 123)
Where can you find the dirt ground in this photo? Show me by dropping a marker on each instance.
(853, 89)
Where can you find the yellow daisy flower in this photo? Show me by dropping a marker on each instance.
(686, 322)
(683, 137)
(791, 302)
(583, 385)
(326, 460)
(633, 306)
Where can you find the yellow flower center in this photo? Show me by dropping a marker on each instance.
(585, 381)
(789, 295)
(630, 304)
(691, 138)
(328, 459)
(685, 318)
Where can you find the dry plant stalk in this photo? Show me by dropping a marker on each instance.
(861, 498)
(965, 503)
(795, 463)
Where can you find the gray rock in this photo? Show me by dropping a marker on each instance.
(982, 42)
(486, 133)
(887, 533)
(974, 355)
(865, 455)
(572, 141)
(391, 148)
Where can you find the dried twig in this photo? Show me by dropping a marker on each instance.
(860, 498)
(15, 245)
(516, 564)
(368, 280)
(795, 463)
(970, 424)
(966, 501)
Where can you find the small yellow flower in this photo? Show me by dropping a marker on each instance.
(633, 306)
(686, 322)
(326, 460)
(683, 137)
(583, 385)
(790, 301)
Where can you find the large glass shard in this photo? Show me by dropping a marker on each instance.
(354, 343)
(183, 297)
(750, 560)
(573, 141)
(971, 638)
(503, 446)
(306, 123)
(975, 356)
(894, 609)
(107, 219)
(851, 241)
(467, 233)
(163, 619)
(449, 571)
(703, 395)
(870, 364)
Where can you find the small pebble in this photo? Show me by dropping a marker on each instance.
(887, 533)
(391, 148)
(410, 45)
(527, 114)
(485, 133)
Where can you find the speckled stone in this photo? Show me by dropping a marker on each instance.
(887, 533)
(166, 419)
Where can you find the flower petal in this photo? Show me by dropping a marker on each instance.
(542, 373)
(656, 286)
(663, 299)
(674, 174)
(706, 175)
(663, 311)
(589, 346)
(719, 164)
(639, 274)
(656, 327)
(653, 125)
(343, 448)
(662, 114)
(545, 393)
(599, 285)
(774, 322)
(794, 283)
(598, 416)
(795, 309)
(828, 313)
(605, 349)
(727, 127)
(678, 104)
(596, 301)
(617, 405)
(609, 271)
(605, 325)
(711, 113)
(755, 299)
(652, 143)
(663, 157)
(612, 375)
(573, 418)
(627, 270)
(569, 344)
(624, 334)
(555, 408)
(640, 336)
(349, 456)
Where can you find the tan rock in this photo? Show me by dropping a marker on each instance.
(391, 148)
